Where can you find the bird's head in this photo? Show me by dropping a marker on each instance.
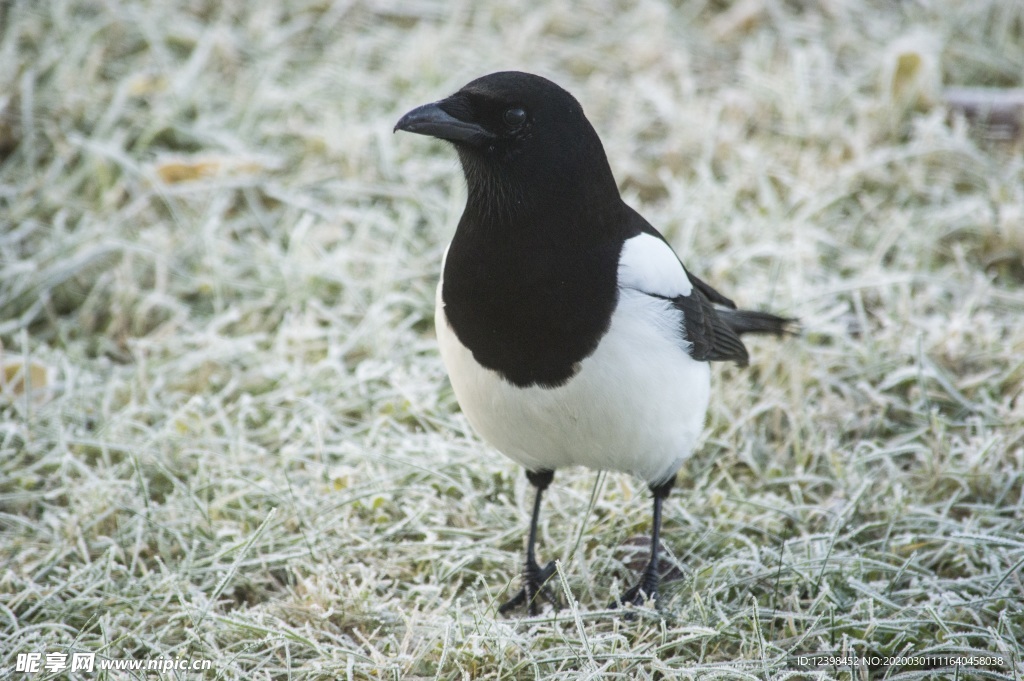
(515, 130)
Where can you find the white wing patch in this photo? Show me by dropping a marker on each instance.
(649, 265)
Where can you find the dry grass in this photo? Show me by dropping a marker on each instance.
(237, 442)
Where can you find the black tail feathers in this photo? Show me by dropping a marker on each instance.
(751, 321)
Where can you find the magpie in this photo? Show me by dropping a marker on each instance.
(572, 333)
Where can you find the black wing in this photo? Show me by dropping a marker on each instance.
(711, 323)
(711, 337)
(715, 333)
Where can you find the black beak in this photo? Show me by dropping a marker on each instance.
(431, 119)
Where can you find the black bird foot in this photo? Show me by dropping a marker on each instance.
(646, 589)
(534, 585)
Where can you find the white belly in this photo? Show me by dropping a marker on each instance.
(637, 405)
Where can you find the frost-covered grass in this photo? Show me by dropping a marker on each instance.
(237, 442)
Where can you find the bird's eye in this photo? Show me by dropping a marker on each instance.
(514, 117)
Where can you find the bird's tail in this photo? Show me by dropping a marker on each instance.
(751, 321)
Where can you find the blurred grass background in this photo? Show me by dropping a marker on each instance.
(225, 431)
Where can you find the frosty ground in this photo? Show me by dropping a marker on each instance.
(236, 441)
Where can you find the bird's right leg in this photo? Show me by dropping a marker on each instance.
(534, 576)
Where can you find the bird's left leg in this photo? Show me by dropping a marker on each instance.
(647, 587)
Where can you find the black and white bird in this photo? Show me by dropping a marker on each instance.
(572, 333)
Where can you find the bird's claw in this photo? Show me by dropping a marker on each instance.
(645, 590)
(534, 585)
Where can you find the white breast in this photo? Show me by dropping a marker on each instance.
(637, 405)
